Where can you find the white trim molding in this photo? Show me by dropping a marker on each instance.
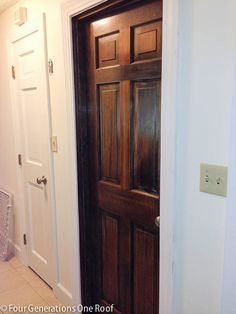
(169, 79)
(168, 154)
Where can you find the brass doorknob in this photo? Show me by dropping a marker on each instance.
(157, 221)
(42, 180)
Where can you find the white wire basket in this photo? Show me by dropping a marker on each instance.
(5, 218)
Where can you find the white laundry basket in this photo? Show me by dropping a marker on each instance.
(5, 217)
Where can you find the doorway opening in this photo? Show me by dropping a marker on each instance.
(117, 50)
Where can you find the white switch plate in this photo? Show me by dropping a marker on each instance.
(213, 179)
(20, 16)
(54, 144)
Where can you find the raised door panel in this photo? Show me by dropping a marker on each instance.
(145, 133)
(110, 255)
(37, 219)
(31, 126)
(109, 111)
(145, 271)
(107, 50)
(147, 41)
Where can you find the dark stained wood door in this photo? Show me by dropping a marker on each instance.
(124, 116)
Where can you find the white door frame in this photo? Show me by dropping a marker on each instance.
(18, 33)
(168, 134)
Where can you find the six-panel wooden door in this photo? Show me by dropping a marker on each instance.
(124, 117)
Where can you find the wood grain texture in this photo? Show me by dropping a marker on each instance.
(146, 135)
(145, 272)
(79, 55)
(110, 255)
(109, 132)
(147, 41)
(131, 204)
(121, 110)
(107, 50)
(125, 133)
(129, 72)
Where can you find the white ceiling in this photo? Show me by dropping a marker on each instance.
(5, 4)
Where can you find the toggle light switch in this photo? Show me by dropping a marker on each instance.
(213, 179)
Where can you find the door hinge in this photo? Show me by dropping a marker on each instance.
(50, 67)
(24, 239)
(19, 160)
(13, 72)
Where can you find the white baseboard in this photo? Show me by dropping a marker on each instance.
(14, 248)
(63, 294)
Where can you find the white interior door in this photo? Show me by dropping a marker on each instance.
(32, 97)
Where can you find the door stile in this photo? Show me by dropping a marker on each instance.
(125, 107)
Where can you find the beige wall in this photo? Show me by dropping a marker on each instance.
(206, 76)
(206, 87)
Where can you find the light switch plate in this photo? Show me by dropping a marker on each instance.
(54, 144)
(213, 179)
(20, 16)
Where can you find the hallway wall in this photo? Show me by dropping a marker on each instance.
(203, 264)
(206, 84)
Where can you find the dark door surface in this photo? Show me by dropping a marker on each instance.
(124, 89)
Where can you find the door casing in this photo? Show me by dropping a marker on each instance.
(70, 9)
(168, 138)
